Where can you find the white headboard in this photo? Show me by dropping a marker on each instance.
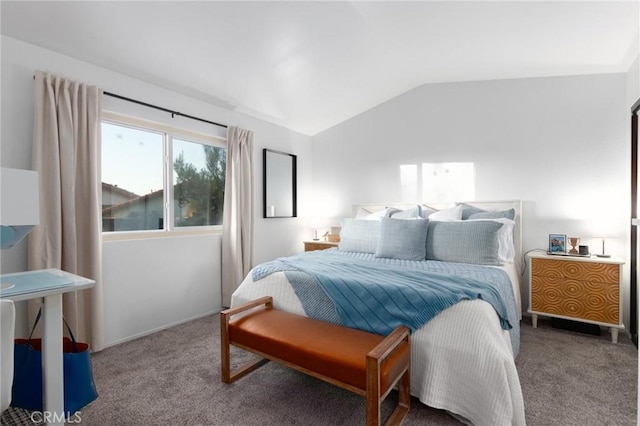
(485, 205)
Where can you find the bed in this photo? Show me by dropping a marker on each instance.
(463, 357)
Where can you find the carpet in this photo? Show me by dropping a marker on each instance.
(173, 378)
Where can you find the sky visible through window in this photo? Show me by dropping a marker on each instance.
(132, 158)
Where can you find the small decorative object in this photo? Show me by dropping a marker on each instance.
(583, 250)
(334, 234)
(574, 243)
(557, 244)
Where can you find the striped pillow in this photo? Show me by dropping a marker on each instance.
(359, 235)
(474, 241)
(472, 212)
(402, 238)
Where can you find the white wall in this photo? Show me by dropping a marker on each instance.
(559, 144)
(176, 279)
(149, 284)
(633, 82)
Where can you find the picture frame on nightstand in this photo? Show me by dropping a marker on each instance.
(557, 244)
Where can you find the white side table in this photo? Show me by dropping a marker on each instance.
(50, 284)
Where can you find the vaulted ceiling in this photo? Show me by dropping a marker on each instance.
(311, 65)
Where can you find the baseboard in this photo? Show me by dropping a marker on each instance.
(155, 330)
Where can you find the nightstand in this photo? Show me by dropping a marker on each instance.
(585, 289)
(319, 245)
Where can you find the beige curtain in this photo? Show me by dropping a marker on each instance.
(66, 154)
(237, 225)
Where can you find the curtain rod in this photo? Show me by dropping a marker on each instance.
(173, 113)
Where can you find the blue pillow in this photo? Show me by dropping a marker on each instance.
(359, 235)
(474, 242)
(468, 210)
(402, 238)
(410, 213)
(472, 212)
(498, 214)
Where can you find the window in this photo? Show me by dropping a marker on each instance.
(139, 158)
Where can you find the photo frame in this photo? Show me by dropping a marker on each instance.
(557, 244)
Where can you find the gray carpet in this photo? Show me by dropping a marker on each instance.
(172, 378)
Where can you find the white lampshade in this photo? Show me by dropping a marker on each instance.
(19, 207)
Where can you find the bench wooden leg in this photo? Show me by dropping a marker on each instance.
(373, 393)
(374, 400)
(404, 401)
(225, 355)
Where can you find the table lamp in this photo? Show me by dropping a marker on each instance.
(603, 252)
(19, 206)
(315, 224)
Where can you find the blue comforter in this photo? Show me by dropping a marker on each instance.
(370, 294)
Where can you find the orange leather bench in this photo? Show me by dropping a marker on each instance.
(368, 364)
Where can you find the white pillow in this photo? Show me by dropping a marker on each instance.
(364, 214)
(453, 213)
(426, 211)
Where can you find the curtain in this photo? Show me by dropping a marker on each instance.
(237, 225)
(66, 155)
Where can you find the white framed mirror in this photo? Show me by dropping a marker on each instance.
(279, 184)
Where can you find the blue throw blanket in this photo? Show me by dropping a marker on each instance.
(378, 297)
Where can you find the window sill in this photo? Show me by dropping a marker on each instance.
(143, 235)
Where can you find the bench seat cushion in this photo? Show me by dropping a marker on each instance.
(331, 350)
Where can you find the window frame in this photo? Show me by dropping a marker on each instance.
(169, 133)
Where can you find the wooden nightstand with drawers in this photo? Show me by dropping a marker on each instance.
(585, 289)
(319, 245)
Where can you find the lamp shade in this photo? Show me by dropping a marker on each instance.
(19, 207)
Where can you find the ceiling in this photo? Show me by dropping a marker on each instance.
(311, 65)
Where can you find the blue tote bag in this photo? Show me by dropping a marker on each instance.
(79, 387)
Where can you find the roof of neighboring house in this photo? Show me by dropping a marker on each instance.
(138, 198)
(116, 190)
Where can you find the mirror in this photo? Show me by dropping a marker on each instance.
(279, 181)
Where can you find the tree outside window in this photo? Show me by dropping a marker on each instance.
(134, 192)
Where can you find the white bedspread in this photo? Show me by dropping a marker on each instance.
(461, 361)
